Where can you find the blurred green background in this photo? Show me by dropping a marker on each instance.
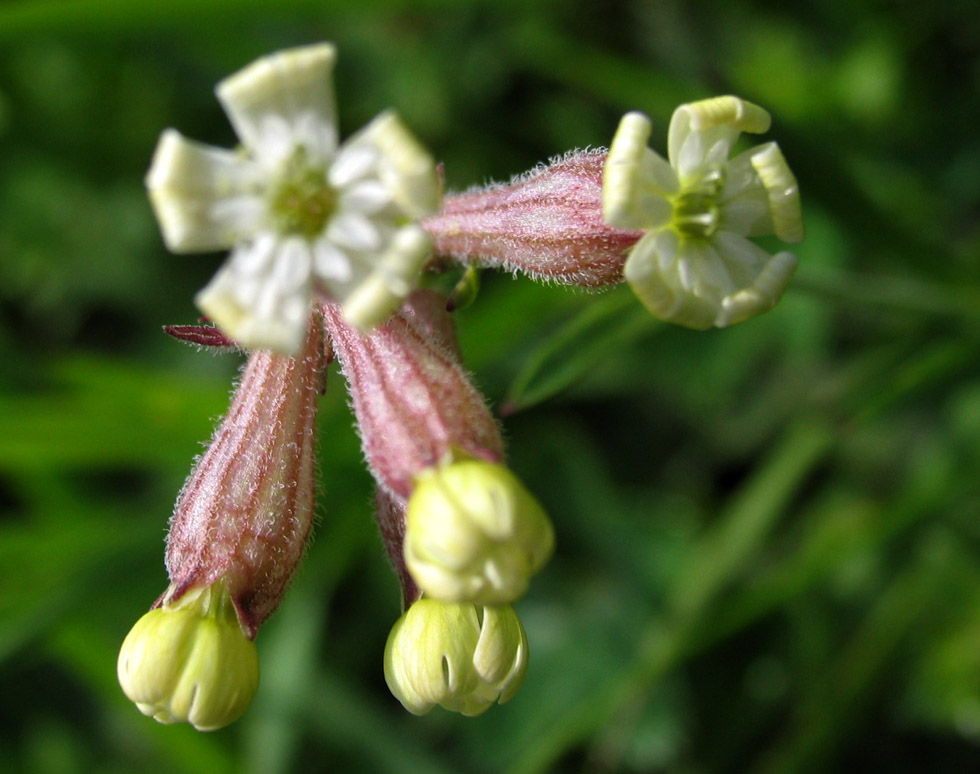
(768, 537)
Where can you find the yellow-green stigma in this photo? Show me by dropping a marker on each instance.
(304, 201)
(697, 213)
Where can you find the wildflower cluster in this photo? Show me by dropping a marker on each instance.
(329, 242)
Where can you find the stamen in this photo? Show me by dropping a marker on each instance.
(304, 201)
(697, 210)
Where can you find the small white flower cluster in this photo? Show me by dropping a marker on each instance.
(300, 214)
(346, 229)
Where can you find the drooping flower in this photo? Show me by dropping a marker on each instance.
(190, 662)
(696, 265)
(246, 510)
(461, 657)
(239, 529)
(301, 216)
(473, 533)
(413, 401)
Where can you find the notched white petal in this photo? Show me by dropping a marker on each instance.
(636, 181)
(200, 195)
(353, 231)
(295, 85)
(405, 168)
(267, 309)
(330, 263)
(392, 278)
(718, 118)
(654, 270)
(783, 192)
(762, 295)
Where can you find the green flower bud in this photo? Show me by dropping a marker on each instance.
(461, 657)
(474, 533)
(189, 661)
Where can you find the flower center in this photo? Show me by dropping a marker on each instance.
(303, 201)
(697, 213)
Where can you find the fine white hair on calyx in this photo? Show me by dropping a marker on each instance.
(537, 169)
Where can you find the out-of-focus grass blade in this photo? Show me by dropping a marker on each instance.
(750, 516)
(722, 554)
(98, 411)
(579, 348)
(825, 716)
(345, 714)
(101, 16)
(906, 295)
(289, 649)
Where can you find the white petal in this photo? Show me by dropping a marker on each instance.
(642, 271)
(293, 86)
(352, 163)
(716, 117)
(252, 259)
(354, 231)
(330, 263)
(393, 278)
(240, 215)
(743, 257)
(717, 153)
(735, 248)
(261, 304)
(666, 275)
(747, 216)
(762, 294)
(292, 265)
(204, 198)
(366, 196)
(277, 142)
(711, 280)
(745, 202)
(665, 247)
(404, 167)
(740, 175)
(685, 269)
(636, 181)
(690, 160)
(782, 189)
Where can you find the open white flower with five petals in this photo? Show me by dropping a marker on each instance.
(301, 215)
(696, 264)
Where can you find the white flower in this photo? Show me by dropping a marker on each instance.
(696, 264)
(300, 215)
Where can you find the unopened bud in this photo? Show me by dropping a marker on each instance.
(461, 657)
(474, 533)
(189, 661)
